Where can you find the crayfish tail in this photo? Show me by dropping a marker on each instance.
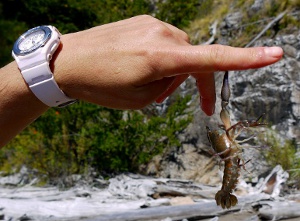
(225, 199)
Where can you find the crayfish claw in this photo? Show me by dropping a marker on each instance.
(225, 95)
(225, 92)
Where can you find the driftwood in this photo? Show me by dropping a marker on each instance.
(269, 25)
(135, 197)
(213, 30)
(202, 204)
(266, 207)
(180, 188)
(195, 211)
(270, 210)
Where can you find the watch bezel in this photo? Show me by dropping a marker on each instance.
(47, 36)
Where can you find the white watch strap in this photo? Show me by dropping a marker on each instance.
(44, 86)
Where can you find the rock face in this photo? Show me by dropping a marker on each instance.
(273, 90)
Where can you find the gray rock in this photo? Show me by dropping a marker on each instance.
(273, 90)
(2, 215)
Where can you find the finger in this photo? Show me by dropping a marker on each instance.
(153, 90)
(174, 85)
(207, 91)
(139, 98)
(211, 58)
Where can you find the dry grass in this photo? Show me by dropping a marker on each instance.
(251, 23)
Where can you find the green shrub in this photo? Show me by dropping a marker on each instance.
(282, 152)
(72, 140)
(178, 13)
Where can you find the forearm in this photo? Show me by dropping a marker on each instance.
(18, 107)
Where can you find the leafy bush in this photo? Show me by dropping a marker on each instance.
(73, 15)
(178, 13)
(71, 140)
(282, 152)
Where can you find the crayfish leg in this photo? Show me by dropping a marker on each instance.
(226, 151)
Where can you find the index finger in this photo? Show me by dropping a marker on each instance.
(211, 58)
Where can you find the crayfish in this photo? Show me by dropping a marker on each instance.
(224, 142)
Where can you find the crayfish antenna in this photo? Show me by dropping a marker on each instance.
(263, 114)
(243, 165)
(256, 123)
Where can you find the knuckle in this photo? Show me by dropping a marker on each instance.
(186, 37)
(146, 17)
(218, 55)
(160, 29)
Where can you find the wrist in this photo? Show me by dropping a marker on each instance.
(64, 68)
(17, 87)
(73, 69)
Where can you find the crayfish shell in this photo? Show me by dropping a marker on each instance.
(225, 199)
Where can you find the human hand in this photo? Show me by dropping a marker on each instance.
(133, 62)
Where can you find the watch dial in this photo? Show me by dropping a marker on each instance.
(32, 40)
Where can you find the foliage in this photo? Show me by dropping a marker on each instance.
(16, 16)
(71, 15)
(282, 152)
(178, 13)
(70, 140)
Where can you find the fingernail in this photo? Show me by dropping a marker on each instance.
(208, 109)
(273, 51)
(159, 100)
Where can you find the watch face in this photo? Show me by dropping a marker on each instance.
(32, 40)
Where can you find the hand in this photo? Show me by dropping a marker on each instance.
(131, 63)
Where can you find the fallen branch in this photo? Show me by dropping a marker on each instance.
(195, 211)
(213, 32)
(277, 210)
(274, 21)
(199, 211)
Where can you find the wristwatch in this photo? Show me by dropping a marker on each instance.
(33, 51)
